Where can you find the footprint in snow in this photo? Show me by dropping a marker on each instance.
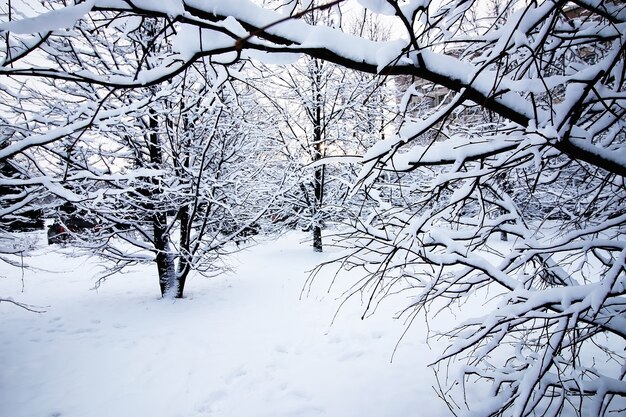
(236, 374)
(58, 329)
(377, 335)
(281, 349)
(298, 395)
(82, 331)
(351, 355)
(306, 411)
(212, 403)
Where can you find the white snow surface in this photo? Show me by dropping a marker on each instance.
(243, 344)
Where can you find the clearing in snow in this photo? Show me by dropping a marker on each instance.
(244, 344)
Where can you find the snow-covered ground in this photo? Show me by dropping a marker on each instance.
(244, 344)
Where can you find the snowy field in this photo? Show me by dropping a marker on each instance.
(244, 344)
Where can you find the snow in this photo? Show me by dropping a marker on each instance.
(171, 7)
(53, 134)
(187, 42)
(56, 19)
(238, 345)
(391, 53)
(245, 344)
(378, 6)
(272, 58)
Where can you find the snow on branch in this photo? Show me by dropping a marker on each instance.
(238, 26)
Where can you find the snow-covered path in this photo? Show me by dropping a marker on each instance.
(241, 345)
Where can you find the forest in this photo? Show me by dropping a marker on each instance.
(427, 153)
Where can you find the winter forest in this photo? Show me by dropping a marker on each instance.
(312, 207)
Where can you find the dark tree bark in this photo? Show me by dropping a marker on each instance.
(184, 218)
(183, 261)
(318, 153)
(158, 218)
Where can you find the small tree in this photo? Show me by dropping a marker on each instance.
(160, 174)
(325, 112)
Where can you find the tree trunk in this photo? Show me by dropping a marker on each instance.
(318, 149)
(319, 193)
(158, 218)
(183, 260)
(317, 239)
(164, 259)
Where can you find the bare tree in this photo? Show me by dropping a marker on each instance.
(326, 112)
(162, 174)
